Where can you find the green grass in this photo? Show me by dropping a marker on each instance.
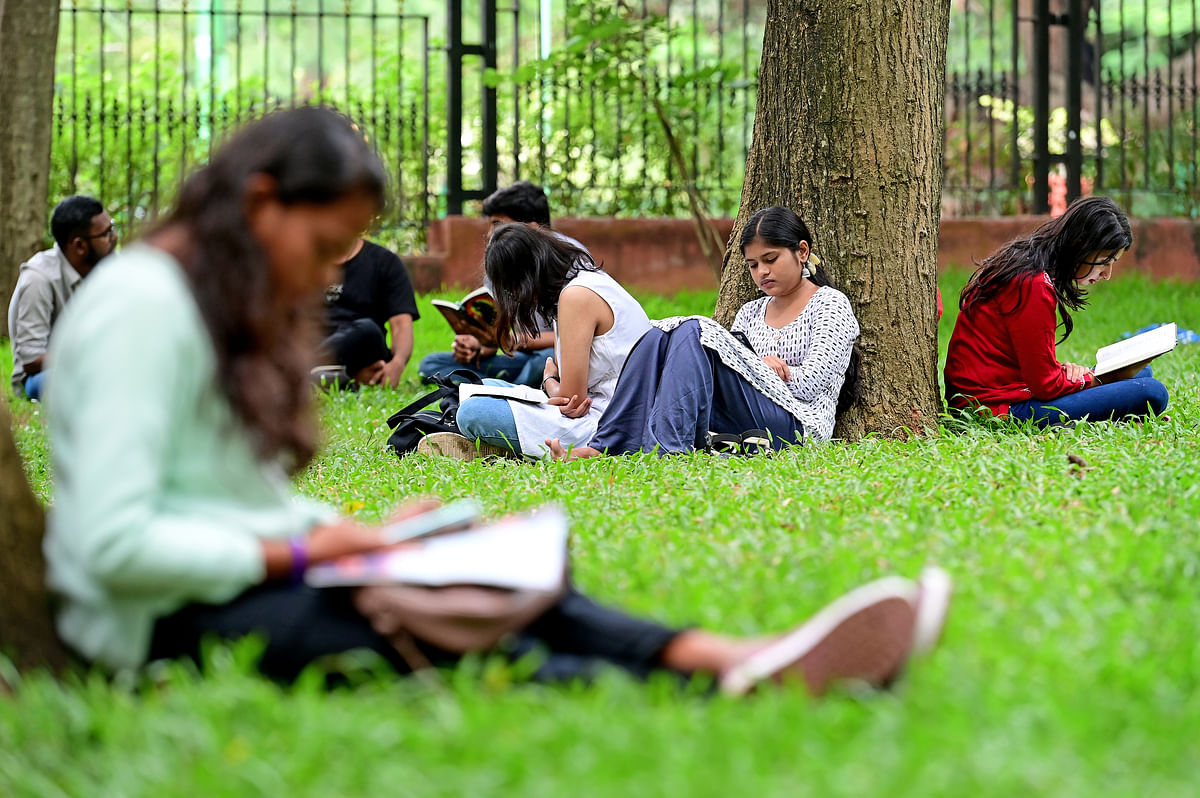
(1070, 664)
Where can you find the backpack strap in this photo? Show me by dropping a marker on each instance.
(447, 386)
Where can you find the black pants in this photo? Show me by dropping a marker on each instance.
(356, 345)
(303, 624)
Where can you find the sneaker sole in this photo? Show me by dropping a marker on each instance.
(866, 635)
(933, 604)
(447, 444)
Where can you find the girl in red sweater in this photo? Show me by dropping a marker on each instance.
(1002, 354)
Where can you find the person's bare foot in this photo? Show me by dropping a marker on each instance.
(560, 452)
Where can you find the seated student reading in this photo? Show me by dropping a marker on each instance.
(596, 322)
(522, 362)
(689, 377)
(173, 519)
(1002, 352)
(371, 291)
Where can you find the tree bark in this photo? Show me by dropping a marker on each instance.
(28, 38)
(848, 132)
(26, 627)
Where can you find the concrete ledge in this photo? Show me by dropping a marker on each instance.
(662, 255)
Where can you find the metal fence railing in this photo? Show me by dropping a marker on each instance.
(583, 88)
(1119, 104)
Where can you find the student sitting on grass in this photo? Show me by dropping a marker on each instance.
(689, 377)
(371, 294)
(523, 361)
(1002, 352)
(539, 275)
(173, 518)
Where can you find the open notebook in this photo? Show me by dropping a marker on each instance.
(522, 552)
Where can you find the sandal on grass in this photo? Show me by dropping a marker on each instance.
(723, 443)
(756, 441)
(866, 636)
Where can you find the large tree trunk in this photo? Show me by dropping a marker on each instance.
(848, 132)
(28, 38)
(26, 628)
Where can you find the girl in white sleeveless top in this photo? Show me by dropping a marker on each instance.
(596, 324)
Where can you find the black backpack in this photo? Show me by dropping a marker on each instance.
(413, 421)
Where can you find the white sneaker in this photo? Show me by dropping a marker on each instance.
(867, 635)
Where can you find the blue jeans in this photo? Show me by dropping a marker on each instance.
(1136, 397)
(33, 386)
(673, 391)
(521, 368)
(489, 419)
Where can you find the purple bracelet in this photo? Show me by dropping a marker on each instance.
(299, 549)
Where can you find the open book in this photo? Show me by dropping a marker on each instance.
(524, 552)
(521, 393)
(475, 315)
(1122, 360)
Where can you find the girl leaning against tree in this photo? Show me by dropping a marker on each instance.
(781, 375)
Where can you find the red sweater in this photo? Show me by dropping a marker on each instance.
(1002, 351)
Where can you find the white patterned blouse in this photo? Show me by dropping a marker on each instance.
(816, 346)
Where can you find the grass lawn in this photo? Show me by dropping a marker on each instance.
(1070, 664)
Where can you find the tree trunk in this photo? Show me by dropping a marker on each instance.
(848, 132)
(26, 628)
(28, 38)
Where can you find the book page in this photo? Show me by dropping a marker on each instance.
(1144, 347)
(521, 393)
(526, 552)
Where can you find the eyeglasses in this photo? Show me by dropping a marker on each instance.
(108, 232)
(1110, 259)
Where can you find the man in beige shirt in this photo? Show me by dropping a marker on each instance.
(84, 235)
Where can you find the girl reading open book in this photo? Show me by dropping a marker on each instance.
(173, 518)
(1002, 352)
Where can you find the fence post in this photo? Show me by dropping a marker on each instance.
(1041, 107)
(456, 50)
(1076, 21)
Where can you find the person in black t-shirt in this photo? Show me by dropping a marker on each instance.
(374, 293)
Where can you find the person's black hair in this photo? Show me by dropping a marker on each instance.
(783, 227)
(73, 218)
(528, 268)
(1057, 249)
(522, 202)
(264, 345)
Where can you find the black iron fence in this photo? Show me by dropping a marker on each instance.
(144, 90)
(1048, 99)
(616, 107)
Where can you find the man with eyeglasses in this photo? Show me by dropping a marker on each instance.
(84, 235)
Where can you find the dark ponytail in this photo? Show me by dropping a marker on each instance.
(783, 227)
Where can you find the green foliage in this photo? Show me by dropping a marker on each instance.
(613, 62)
(1069, 665)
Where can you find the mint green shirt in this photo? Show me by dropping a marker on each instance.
(159, 500)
